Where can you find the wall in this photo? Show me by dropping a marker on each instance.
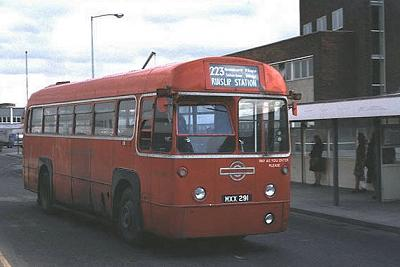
(334, 60)
(356, 18)
(392, 28)
(305, 87)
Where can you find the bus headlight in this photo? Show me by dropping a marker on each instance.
(270, 190)
(199, 193)
(269, 218)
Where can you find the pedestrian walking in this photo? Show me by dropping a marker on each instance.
(360, 162)
(316, 161)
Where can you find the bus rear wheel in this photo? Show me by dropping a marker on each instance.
(130, 218)
(44, 197)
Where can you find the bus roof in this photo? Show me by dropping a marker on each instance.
(189, 76)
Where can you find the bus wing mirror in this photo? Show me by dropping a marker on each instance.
(294, 96)
(164, 92)
(294, 108)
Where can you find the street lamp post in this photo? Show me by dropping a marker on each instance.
(117, 15)
(26, 76)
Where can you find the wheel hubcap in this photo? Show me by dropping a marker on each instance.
(126, 216)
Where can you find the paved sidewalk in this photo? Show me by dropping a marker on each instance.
(15, 154)
(356, 208)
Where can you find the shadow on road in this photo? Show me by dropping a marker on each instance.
(161, 247)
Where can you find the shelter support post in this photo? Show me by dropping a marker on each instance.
(335, 162)
(378, 158)
(303, 152)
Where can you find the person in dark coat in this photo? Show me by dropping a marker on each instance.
(370, 162)
(360, 161)
(316, 161)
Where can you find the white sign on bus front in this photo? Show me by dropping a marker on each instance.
(234, 76)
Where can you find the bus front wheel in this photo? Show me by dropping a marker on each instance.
(130, 218)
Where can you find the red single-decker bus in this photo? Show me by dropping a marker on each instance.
(194, 149)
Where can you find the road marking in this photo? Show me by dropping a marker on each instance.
(3, 261)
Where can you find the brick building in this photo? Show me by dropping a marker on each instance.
(346, 49)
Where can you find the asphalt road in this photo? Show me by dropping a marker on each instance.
(28, 237)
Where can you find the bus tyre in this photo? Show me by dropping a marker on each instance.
(130, 218)
(45, 200)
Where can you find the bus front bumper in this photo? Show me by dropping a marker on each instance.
(219, 220)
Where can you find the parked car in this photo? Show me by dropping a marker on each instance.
(15, 139)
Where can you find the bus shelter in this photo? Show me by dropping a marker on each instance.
(338, 124)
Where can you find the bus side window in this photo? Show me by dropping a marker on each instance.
(162, 135)
(83, 119)
(146, 123)
(66, 120)
(36, 121)
(104, 117)
(126, 117)
(50, 120)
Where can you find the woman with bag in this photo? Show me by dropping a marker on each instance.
(360, 162)
(316, 161)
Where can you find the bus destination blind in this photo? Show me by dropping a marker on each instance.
(234, 76)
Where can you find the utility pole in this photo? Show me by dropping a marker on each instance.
(26, 76)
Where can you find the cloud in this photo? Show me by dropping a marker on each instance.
(164, 19)
(56, 35)
(25, 29)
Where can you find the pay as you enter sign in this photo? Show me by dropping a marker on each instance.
(234, 76)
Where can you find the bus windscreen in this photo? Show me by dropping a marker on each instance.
(263, 126)
(204, 129)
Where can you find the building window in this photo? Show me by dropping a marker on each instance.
(337, 19)
(321, 24)
(310, 67)
(296, 69)
(288, 71)
(391, 141)
(376, 72)
(376, 17)
(377, 42)
(307, 28)
(304, 68)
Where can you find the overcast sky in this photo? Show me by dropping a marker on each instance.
(56, 35)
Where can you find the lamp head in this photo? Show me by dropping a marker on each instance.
(119, 15)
